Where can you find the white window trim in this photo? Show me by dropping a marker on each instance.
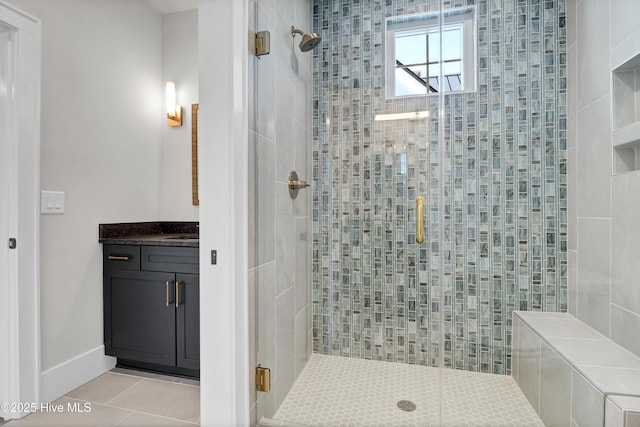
(464, 17)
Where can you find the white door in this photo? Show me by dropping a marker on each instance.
(6, 167)
(19, 213)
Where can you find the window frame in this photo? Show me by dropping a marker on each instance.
(428, 23)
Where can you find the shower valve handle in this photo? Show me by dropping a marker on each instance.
(295, 184)
(298, 184)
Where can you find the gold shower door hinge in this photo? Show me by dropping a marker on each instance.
(263, 379)
(263, 43)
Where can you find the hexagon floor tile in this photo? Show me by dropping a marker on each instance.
(339, 391)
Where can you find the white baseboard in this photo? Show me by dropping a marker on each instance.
(61, 379)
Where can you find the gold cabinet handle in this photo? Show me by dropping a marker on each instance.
(177, 294)
(117, 258)
(419, 219)
(167, 284)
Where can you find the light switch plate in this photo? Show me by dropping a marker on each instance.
(51, 202)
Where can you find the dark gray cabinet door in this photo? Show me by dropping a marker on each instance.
(188, 320)
(140, 322)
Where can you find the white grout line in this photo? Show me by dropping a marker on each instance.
(170, 382)
(158, 377)
(127, 389)
(128, 415)
(141, 379)
(155, 415)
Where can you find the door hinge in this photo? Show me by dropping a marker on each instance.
(263, 379)
(263, 43)
(13, 243)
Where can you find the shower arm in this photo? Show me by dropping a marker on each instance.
(295, 31)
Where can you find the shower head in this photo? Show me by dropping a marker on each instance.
(309, 40)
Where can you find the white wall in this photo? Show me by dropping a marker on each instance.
(604, 231)
(105, 143)
(280, 244)
(179, 64)
(102, 113)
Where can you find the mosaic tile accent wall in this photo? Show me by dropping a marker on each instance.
(496, 234)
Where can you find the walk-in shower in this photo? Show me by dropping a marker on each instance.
(473, 95)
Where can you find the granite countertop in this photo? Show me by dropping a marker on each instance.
(150, 234)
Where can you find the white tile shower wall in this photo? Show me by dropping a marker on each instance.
(578, 367)
(632, 420)
(625, 277)
(622, 411)
(594, 270)
(529, 365)
(594, 148)
(280, 130)
(587, 403)
(613, 415)
(604, 288)
(555, 392)
(503, 242)
(592, 33)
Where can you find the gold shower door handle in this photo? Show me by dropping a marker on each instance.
(419, 219)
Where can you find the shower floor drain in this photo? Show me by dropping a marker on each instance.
(406, 405)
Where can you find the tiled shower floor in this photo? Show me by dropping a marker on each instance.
(340, 391)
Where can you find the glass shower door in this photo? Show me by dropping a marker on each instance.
(456, 102)
(376, 287)
(376, 290)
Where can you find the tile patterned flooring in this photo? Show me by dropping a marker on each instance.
(331, 391)
(125, 398)
(340, 391)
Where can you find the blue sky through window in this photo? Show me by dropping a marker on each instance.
(418, 60)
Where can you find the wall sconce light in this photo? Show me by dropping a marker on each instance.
(174, 111)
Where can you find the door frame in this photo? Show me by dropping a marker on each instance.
(223, 174)
(20, 328)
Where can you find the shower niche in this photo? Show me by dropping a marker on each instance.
(626, 116)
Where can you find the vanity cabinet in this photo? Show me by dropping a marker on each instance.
(151, 307)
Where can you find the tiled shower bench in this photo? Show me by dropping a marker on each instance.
(572, 374)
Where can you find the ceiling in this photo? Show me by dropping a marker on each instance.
(172, 6)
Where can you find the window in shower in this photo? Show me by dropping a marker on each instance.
(418, 46)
